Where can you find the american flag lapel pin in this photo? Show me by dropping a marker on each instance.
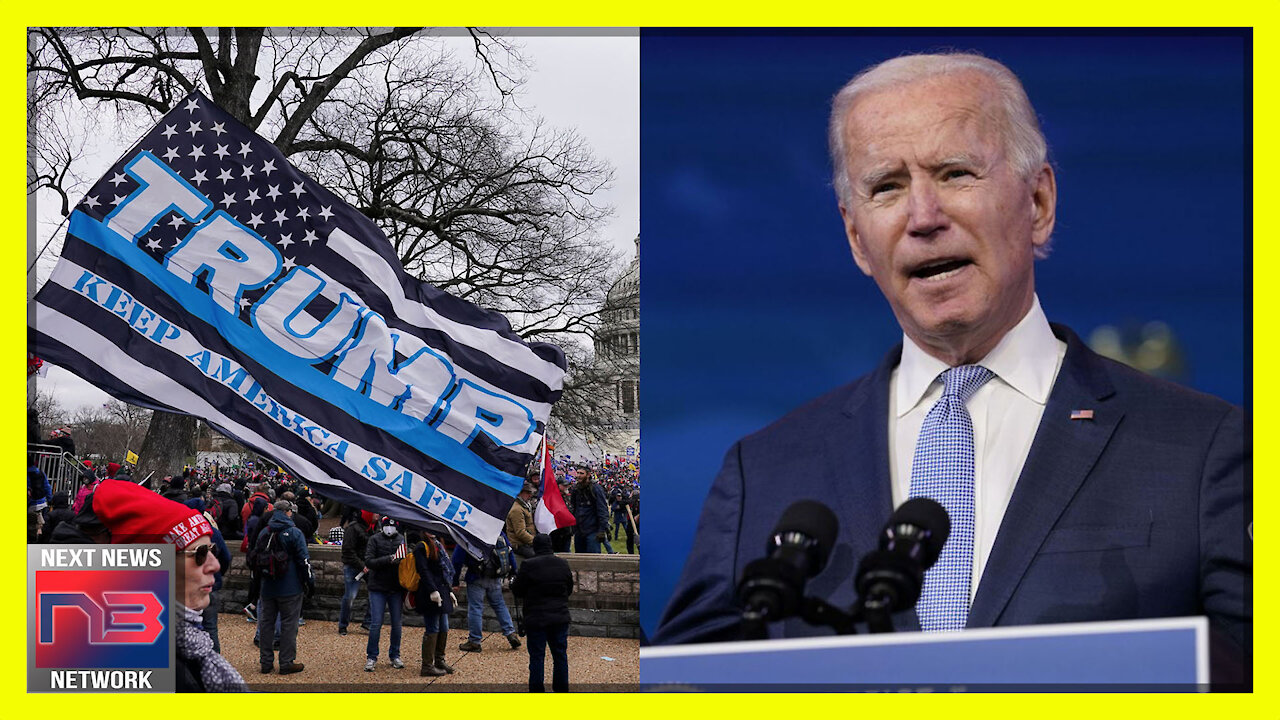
(1081, 414)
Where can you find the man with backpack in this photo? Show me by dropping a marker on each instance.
(484, 584)
(280, 554)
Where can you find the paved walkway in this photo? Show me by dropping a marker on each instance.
(336, 664)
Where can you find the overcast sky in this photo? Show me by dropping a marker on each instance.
(590, 83)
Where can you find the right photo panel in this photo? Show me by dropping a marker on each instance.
(947, 378)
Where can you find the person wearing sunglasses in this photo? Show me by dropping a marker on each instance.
(121, 512)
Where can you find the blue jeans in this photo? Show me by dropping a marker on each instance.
(350, 587)
(436, 623)
(557, 636)
(478, 591)
(378, 602)
(583, 543)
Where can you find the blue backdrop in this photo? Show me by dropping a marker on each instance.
(751, 302)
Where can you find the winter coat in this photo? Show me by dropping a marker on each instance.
(220, 550)
(291, 583)
(229, 521)
(38, 484)
(59, 514)
(520, 527)
(544, 583)
(355, 540)
(254, 524)
(384, 572)
(590, 507)
(307, 512)
(248, 506)
(432, 579)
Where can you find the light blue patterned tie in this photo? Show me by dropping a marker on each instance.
(942, 469)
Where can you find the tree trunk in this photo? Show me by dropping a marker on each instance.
(170, 444)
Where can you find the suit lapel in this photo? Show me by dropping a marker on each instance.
(1063, 453)
(857, 463)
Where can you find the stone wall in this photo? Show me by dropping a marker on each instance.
(605, 602)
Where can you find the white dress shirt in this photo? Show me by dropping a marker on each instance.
(1006, 414)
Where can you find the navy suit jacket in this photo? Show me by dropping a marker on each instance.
(1140, 512)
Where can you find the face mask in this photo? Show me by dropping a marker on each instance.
(389, 530)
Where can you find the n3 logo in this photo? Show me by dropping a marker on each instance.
(123, 618)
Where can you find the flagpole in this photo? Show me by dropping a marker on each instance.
(542, 457)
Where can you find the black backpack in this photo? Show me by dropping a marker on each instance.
(269, 555)
(497, 560)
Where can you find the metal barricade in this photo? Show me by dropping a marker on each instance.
(65, 473)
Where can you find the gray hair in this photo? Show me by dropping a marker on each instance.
(1024, 142)
(286, 506)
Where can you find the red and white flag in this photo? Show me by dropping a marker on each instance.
(400, 553)
(551, 513)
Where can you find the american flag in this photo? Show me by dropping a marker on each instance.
(399, 553)
(204, 274)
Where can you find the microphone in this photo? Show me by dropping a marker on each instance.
(889, 579)
(772, 587)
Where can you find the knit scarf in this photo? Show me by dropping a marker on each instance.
(193, 642)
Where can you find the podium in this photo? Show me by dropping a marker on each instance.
(1159, 655)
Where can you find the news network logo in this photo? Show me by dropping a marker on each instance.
(100, 618)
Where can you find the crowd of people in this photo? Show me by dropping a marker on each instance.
(604, 497)
(275, 516)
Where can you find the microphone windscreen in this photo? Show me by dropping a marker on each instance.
(812, 518)
(927, 514)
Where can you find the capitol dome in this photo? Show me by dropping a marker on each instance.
(617, 346)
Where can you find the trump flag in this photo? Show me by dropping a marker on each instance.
(205, 275)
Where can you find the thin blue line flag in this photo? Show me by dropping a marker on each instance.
(203, 274)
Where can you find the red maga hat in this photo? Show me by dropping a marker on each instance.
(134, 514)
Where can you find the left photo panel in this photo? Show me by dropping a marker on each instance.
(333, 359)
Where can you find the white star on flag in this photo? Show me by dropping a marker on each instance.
(273, 191)
(171, 155)
(252, 197)
(227, 199)
(297, 189)
(199, 177)
(325, 212)
(117, 199)
(286, 241)
(245, 151)
(169, 131)
(218, 129)
(225, 175)
(177, 221)
(192, 105)
(222, 152)
(92, 201)
(268, 167)
(255, 220)
(247, 172)
(304, 213)
(244, 303)
(280, 217)
(154, 244)
(309, 237)
(197, 151)
(194, 128)
(289, 264)
(117, 179)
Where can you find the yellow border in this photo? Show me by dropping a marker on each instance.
(1089, 13)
